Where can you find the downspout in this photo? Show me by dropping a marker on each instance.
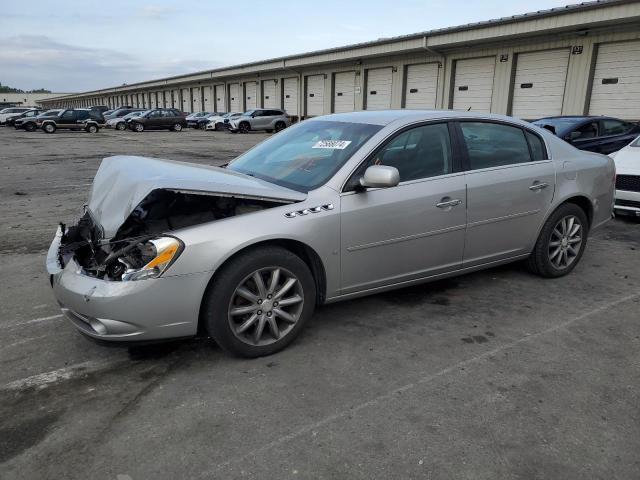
(426, 47)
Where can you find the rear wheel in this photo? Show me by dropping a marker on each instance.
(92, 128)
(561, 243)
(138, 127)
(280, 126)
(120, 126)
(49, 128)
(177, 127)
(259, 302)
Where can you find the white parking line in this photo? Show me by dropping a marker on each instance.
(34, 320)
(410, 386)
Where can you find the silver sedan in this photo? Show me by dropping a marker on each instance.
(330, 209)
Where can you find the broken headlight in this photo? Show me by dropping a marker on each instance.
(155, 256)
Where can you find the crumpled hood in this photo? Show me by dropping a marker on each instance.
(123, 181)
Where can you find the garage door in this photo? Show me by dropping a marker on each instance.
(344, 86)
(207, 98)
(421, 86)
(196, 100)
(379, 82)
(251, 95)
(315, 95)
(538, 89)
(269, 94)
(234, 97)
(290, 92)
(473, 85)
(186, 100)
(616, 81)
(175, 99)
(221, 102)
(167, 99)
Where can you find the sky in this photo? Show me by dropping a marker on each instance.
(80, 45)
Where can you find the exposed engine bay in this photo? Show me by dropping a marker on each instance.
(138, 249)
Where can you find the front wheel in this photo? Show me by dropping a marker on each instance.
(259, 302)
(120, 126)
(218, 126)
(49, 128)
(244, 127)
(177, 127)
(29, 127)
(91, 129)
(561, 242)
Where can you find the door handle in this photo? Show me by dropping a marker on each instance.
(446, 202)
(538, 186)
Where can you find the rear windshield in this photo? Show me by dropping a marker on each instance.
(305, 156)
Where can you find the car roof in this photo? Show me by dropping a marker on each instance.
(386, 117)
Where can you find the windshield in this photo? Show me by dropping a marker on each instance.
(133, 114)
(561, 125)
(305, 156)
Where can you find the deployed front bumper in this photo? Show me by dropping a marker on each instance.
(151, 309)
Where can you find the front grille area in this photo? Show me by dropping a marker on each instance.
(629, 183)
(627, 203)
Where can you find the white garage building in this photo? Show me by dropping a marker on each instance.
(579, 59)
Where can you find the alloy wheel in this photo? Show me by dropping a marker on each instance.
(265, 306)
(565, 242)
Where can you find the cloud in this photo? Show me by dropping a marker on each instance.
(36, 61)
(156, 12)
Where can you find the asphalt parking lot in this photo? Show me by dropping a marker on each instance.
(496, 374)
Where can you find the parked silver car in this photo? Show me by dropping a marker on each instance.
(330, 209)
(265, 119)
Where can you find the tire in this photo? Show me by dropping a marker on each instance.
(280, 126)
(177, 127)
(555, 253)
(49, 128)
(269, 131)
(121, 126)
(29, 127)
(138, 127)
(91, 129)
(222, 295)
(218, 127)
(203, 126)
(244, 127)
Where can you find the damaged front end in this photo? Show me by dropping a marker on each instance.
(142, 246)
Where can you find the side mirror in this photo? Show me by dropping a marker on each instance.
(380, 176)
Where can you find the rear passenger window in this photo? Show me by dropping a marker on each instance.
(494, 144)
(538, 152)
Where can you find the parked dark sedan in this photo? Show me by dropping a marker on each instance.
(159, 118)
(11, 121)
(595, 134)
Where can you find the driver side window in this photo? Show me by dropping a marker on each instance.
(420, 152)
(588, 130)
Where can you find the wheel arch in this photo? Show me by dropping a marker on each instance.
(306, 253)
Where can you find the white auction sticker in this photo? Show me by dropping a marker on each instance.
(332, 144)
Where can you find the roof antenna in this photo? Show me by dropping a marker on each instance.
(469, 109)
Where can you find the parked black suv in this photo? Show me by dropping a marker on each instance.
(72, 119)
(594, 134)
(159, 118)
